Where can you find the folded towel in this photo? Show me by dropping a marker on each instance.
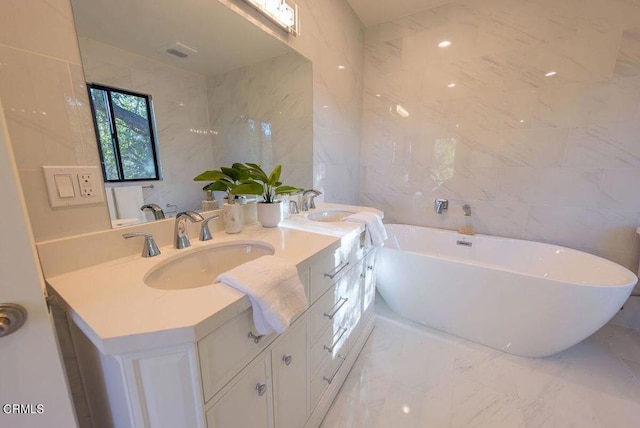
(375, 230)
(274, 289)
(128, 200)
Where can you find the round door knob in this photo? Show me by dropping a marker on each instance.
(12, 317)
(5, 325)
(287, 359)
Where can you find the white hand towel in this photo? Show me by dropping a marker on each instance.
(274, 289)
(129, 199)
(375, 229)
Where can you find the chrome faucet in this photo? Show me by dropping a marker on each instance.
(441, 205)
(205, 232)
(158, 214)
(150, 249)
(181, 239)
(467, 210)
(308, 197)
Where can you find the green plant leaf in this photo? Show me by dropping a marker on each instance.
(218, 186)
(275, 175)
(209, 176)
(252, 188)
(284, 190)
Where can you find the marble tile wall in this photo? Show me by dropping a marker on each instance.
(547, 158)
(182, 118)
(331, 36)
(263, 114)
(47, 109)
(553, 159)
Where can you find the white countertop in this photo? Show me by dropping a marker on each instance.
(119, 313)
(337, 229)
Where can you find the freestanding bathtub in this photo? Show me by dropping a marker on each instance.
(522, 297)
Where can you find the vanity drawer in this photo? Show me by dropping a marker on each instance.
(324, 377)
(326, 271)
(330, 309)
(332, 343)
(227, 350)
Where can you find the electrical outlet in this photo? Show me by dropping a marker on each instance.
(87, 185)
(81, 187)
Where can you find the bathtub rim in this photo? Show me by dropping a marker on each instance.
(440, 256)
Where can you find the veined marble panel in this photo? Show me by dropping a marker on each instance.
(263, 114)
(181, 113)
(542, 99)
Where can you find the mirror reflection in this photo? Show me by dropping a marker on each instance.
(222, 91)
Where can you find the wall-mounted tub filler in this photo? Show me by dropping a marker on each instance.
(467, 210)
(441, 205)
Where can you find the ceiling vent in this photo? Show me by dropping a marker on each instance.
(179, 50)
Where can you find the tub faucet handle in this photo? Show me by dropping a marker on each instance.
(467, 210)
(441, 205)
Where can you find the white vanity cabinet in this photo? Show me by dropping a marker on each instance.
(308, 363)
(247, 403)
(289, 368)
(231, 377)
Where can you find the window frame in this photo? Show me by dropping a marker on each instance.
(114, 132)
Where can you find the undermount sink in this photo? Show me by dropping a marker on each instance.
(201, 266)
(328, 216)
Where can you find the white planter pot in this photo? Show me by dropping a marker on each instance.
(270, 215)
(232, 215)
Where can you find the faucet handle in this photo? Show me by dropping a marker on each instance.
(150, 249)
(205, 232)
(158, 214)
(293, 207)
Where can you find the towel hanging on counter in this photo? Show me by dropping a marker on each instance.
(274, 289)
(375, 230)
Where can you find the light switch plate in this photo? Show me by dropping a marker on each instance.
(86, 182)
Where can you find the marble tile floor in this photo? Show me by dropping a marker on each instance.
(409, 375)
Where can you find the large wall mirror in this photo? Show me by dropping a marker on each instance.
(222, 91)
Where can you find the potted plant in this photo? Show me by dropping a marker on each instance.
(235, 180)
(270, 209)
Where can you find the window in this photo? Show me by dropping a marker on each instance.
(126, 134)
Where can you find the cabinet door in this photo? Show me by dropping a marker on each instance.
(247, 402)
(289, 367)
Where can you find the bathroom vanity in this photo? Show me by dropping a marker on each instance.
(190, 357)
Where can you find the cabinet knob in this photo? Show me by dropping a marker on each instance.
(287, 359)
(261, 388)
(255, 338)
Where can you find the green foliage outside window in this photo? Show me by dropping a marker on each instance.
(124, 127)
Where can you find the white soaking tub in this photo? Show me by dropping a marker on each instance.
(522, 297)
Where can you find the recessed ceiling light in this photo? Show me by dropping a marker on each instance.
(451, 85)
(378, 95)
(444, 44)
(551, 73)
(341, 67)
(521, 120)
(325, 106)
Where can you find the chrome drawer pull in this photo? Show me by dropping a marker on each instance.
(335, 342)
(287, 359)
(329, 380)
(339, 305)
(363, 275)
(256, 339)
(369, 267)
(261, 388)
(337, 270)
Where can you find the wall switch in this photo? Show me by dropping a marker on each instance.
(73, 185)
(64, 185)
